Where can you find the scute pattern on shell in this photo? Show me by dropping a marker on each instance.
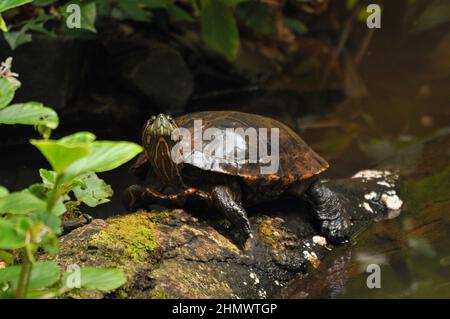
(297, 160)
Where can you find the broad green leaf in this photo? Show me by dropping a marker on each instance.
(6, 257)
(59, 154)
(3, 192)
(59, 207)
(88, 12)
(45, 237)
(48, 178)
(97, 278)
(6, 92)
(43, 274)
(21, 203)
(94, 191)
(88, 16)
(10, 237)
(103, 156)
(17, 38)
(39, 190)
(3, 26)
(295, 25)
(43, 293)
(23, 224)
(31, 113)
(78, 138)
(9, 4)
(50, 220)
(219, 28)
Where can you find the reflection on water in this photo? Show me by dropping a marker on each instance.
(404, 125)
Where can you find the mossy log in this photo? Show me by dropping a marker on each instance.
(180, 254)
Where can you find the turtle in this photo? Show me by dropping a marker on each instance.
(231, 181)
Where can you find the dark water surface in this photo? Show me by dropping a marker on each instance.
(403, 125)
(401, 122)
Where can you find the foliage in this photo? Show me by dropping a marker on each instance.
(30, 220)
(32, 113)
(219, 19)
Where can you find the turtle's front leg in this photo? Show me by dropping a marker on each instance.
(131, 198)
(226, 200)
(188, 197)
(335, 222)
(136, 197)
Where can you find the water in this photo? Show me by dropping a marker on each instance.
(400, 122)
(404, 125)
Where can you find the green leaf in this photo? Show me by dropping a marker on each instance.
(10, 237)
(295, 25)
(21, 203)
(219, 28)
(3, 192)
(53, 221)
(179, 14)
(6, 257)
(48, 178)
(103, 156)
(94, 191)
(6, 92)
(88, 12)
(132, 11)
(43, 274)
(78, 154)
(3, 25)
(43, 293)
(78, 138)
(60, 154)
(31, 113)
(258, 17)
(9, 4)
(88, 16)
(17, 38)
(97, 278)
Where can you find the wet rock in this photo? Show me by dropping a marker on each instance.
(176, 254)
(158, 73)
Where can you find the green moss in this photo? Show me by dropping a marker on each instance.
(420, 192)
(132, 235)
(161, 294)
(268, 233)
(159, 217)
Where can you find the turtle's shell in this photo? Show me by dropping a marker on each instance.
(297, 161)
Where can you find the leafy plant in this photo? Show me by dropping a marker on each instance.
(32, 113)
(219, 19)
(30, 220)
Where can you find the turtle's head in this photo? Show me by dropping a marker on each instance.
(158, 126)
(158, 143)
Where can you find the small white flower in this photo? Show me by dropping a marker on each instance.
(5, 72)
